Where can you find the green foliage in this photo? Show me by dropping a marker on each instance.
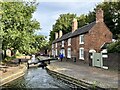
(82, 20)
(18, 27)
(10, 58)
(114, 47)
(64, 23)
(40, 42)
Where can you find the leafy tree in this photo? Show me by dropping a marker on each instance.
(18, 26)
(82, 20)
(64, 23)
(40, 42)
(91, 17)
(114, 47)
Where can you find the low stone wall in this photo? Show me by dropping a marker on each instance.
(13, 76)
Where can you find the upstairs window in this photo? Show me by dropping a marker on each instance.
(62, 43)
(81, 39)
(56, 45)
(56, 52)
(69, 41)
(52, 45)
(53, 52)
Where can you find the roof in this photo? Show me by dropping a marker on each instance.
(82, 30)
(65, 36)
(77, 32)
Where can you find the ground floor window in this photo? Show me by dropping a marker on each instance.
(81, 53)
(53, 52)
(69, 53)
(56, 53)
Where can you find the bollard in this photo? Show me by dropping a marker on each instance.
(48, 61)
(27, 65)
(19, 61)
(74, 59)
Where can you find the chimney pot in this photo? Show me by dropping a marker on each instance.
(74, 24)
(60, 33)
(99, 15)
(56, 35)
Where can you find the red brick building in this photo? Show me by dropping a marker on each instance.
(80, 41)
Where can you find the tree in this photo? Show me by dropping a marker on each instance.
(82, 20)
(114, 47)
(64, 23)
(18, 26)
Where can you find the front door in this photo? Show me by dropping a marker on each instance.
(97, 60)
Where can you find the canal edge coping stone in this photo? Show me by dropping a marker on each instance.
(73, 81)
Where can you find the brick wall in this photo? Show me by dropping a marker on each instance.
(97, 36)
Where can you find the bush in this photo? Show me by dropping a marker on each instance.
(114, 47)
(10, 58)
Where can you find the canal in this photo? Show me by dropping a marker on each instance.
(37, 78)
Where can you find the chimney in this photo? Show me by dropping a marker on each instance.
(60, 33)
(74, 24)
(99, 15)
(56, 35)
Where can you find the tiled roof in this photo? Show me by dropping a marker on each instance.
(65, 36)
(79, 31)
(82, 30)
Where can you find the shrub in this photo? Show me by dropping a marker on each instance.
(114, 47)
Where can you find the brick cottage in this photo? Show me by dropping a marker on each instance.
(80, 41)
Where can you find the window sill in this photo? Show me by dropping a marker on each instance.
(81, 58)
(81, 43)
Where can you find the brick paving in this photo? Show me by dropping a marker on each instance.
(101, 77)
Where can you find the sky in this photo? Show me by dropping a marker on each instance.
(48, 11)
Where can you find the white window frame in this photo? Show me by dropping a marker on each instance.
(56, 52)
(80, 53)
(53, 52)
(69, 53)
(63, 43)
(56, 45)
(52, 45)
(80, 39)
(69, 41)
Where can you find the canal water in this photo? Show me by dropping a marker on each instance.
(37, 78)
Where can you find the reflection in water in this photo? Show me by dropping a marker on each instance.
(37, 78)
